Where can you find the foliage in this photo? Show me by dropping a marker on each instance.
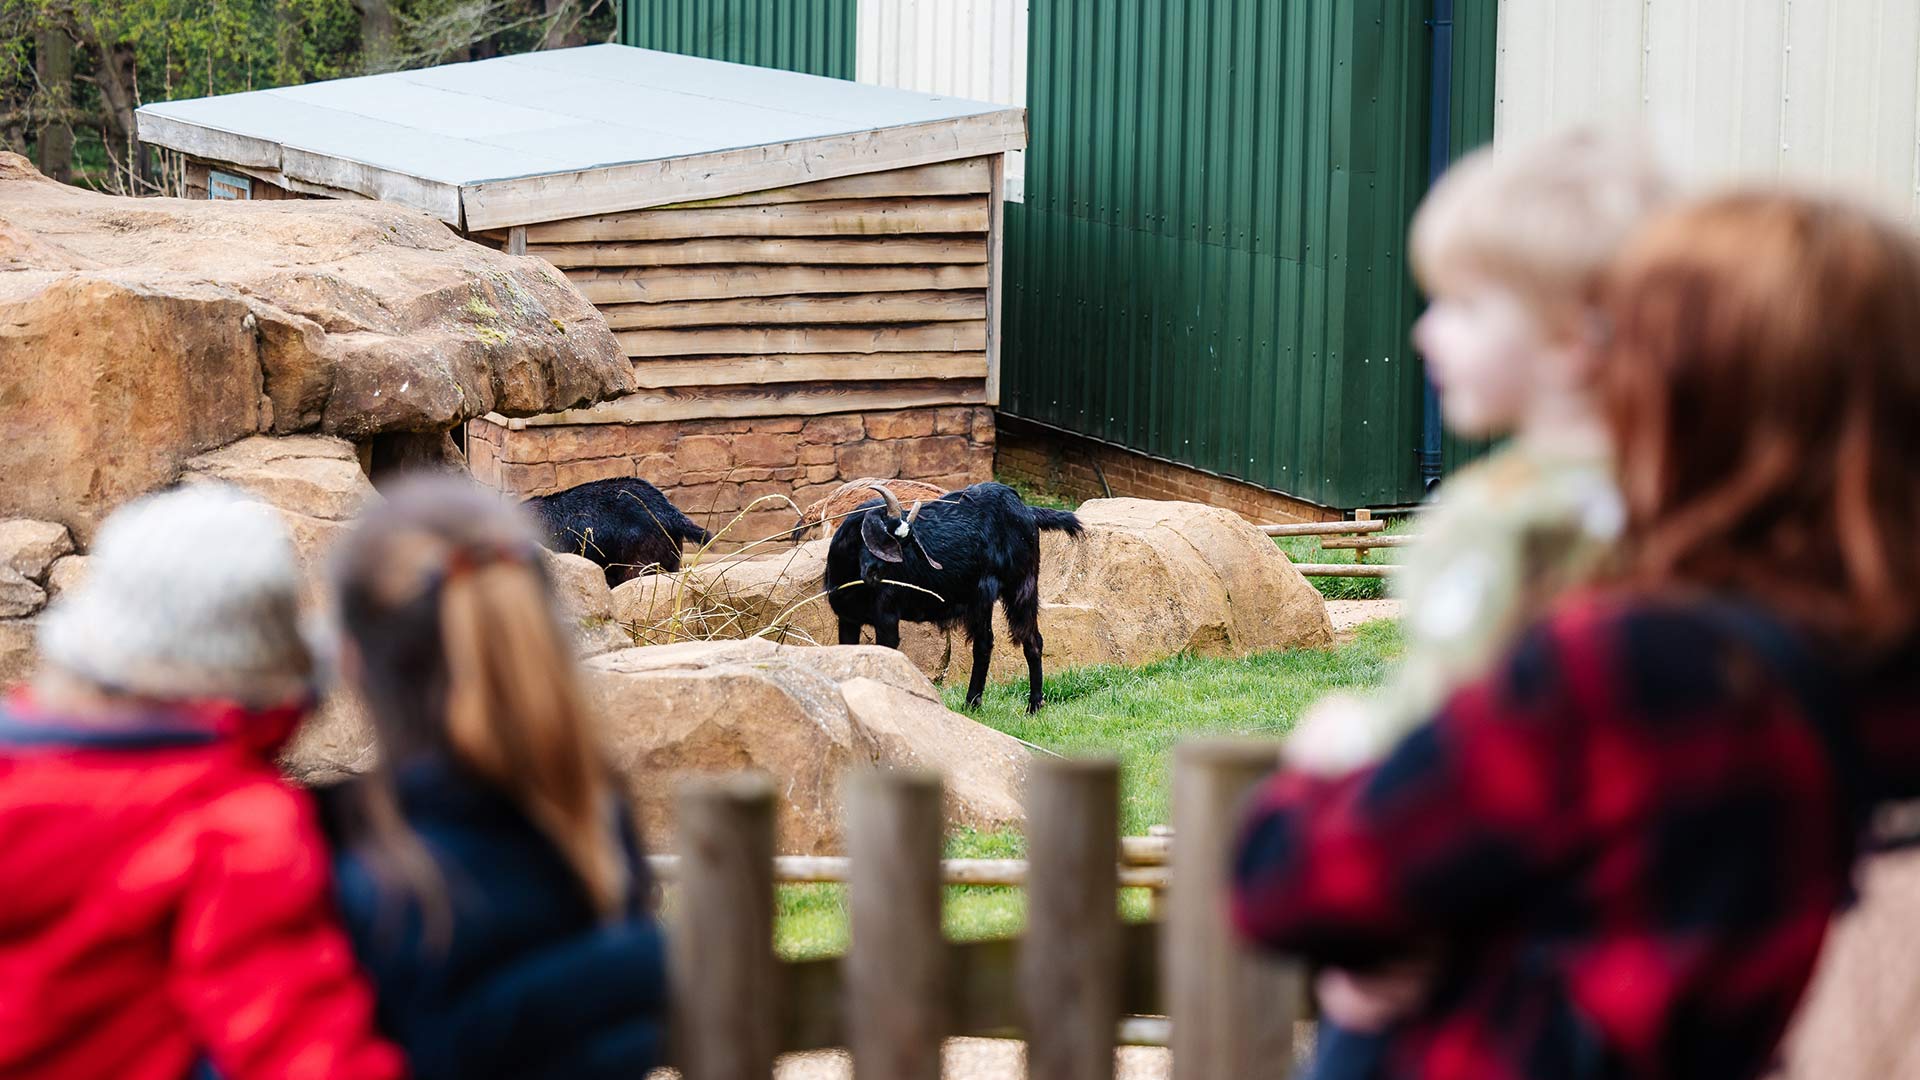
(1137, 714)
(125, 53)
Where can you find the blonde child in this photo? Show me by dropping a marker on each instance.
(1510, 247)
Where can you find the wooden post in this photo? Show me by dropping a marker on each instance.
(1070, 961)
(896, 967)
(723, 968)
(1363, 514)
(517, 240)
(1232, 1008)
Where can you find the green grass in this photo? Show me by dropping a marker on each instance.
(1137, 714)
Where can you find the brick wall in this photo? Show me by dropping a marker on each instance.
(1056, 461)
(713, 469)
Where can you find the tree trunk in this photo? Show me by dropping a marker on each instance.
(376, 33)
(114, 73)
(563, 25)
(53, 64)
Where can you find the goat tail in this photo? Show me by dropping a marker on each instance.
(1058, 520)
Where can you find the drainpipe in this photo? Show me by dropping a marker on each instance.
(1439, 137)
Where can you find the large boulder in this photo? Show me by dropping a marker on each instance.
(1147, 581)
(806, 717)
(313, 481)
(30, 547)
(141, 332)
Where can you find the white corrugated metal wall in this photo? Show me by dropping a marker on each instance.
(1826, 91)
(966, 48)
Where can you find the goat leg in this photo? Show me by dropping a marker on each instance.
(982, 656)
(1031, 644)
(887, 632)
(849, 632)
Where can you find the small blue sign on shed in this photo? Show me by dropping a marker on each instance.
(222, 185)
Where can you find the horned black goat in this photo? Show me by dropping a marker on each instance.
(945, 562)
(624, 524)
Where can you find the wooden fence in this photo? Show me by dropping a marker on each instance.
(1076, 984)
(1361, 535)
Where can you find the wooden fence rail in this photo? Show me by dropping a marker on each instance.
(1075, 985)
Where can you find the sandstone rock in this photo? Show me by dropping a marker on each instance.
(805, 716)
(582, 585)
(849, 496)
(144, 331)
(17, 652)
(18, 594)
(314, 482)
(29, 547)
(1149, 580)
(67, 572)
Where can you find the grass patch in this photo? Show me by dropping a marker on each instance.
(1137, 714)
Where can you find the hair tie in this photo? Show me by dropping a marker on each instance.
(467, 559)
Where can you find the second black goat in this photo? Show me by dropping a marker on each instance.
(624, 524)
(945, 562)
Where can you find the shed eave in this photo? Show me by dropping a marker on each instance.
(636, 185)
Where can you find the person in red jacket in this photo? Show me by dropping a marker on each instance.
(164, 896)
(1618, 854)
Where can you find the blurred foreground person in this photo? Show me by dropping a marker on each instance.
(164, 902)
(1632, 835)
(488, 872)
(1511, 247)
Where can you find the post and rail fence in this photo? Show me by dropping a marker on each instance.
(1361, 535)
(1077, 983)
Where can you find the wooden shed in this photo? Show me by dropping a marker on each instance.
(805, 271)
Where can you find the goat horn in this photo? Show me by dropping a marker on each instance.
(892, 500)
(913, 513)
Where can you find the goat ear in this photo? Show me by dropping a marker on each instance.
(880, 541)
(922, 548)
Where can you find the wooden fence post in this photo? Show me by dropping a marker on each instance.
(1070, 959)
(723, 968)
(1360, 553)
(1233, 1009)
(896, 967)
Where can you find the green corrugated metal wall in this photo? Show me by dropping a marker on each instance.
(1475, 55)
(813, 36)
(1208, 266)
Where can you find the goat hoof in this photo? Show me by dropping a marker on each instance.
(1034, 705)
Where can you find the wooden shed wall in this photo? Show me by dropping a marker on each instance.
(873, 291)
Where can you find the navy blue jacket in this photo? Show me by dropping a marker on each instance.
(529, 982)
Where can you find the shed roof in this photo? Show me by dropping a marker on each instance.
(571, 132)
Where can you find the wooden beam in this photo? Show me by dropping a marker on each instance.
(517, 240)
(1363, 543)
(1070, 967)
(1324, 528)
(1377, 570)
(808, 367)
(841, 217)
(996, 272)
(786, 399)
(903, 307)
(722, 948)
(941, 178)
(933, 337)
(529, 199)
(662, 285)
(896, 972)
(817, 250)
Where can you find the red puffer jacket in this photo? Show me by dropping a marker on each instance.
(164, 905)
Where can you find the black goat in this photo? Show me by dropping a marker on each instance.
(945, 562)
(625, 525)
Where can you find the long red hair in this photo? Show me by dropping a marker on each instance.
(1764, 391)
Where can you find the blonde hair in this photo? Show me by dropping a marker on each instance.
(461, 652)
(1543, 218)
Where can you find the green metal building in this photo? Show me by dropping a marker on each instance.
(1209, 266)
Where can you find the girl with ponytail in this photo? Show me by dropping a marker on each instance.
(488, 870)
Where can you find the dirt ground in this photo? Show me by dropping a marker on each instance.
(1348, 615)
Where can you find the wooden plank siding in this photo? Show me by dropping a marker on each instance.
(869, 291)
(658, 285)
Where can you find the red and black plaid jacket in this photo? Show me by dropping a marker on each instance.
(1628, 843)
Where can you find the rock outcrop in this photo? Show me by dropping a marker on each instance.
(1149, 580)
(804, 716)
(30, 552)
(313, 481)
(142, 332)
